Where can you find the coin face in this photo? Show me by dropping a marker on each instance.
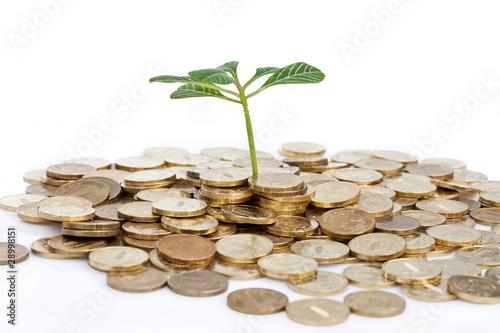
(34, 176)
(445, 193)
(475, 289)
(248, 214)
(118, 258)
(275, 182)
(486, 216)
(426, 219)
(98, 163)
(451, 267)
(493, 274)
(235, 271)
(29, 212)
(40, 248)
(317, 312)
(489, 238)
(140, 211)
(186, 159)
(199, 225)
(66, 208)
(462, 221)
(412, 188)
(244, 248)
(484, 257)
(451, 235)
(109, 212)
(375, 204)
(346, 223)
(419, 243)
(325, 284)
(406, 203)
(357, 176)
(323, 251)
(75, 246)
(142, 280)
(69, 170)
(286, 266)
(179, 207)
(430, 170)
(42, 189)
(225, 177)
(138, 163)
(19, 252)
(468, 176)
(397, 224)
(377, 246)
(447, 162)
(12, 202)
(411, 271)
(386, 167)
(350, 156)
(146, 231)
(172, 268)
(149, 177)
(257, 301)
(485, 185)
(375, 303)
(490, 198)
(436, 292)
(335, 194)
(186, 249)
(116, 175)
(440, 251)
(95, 192)
(297, 149)
(368, 275)
(447, 208)
(395, 156)
(388, 193)
(292, 226)
(198, 284)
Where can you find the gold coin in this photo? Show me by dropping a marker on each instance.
(356, 176)
(317, 312)
(447, 162)
(116, 175)
(351, 156)
(146, 231)
(199, 225)
(137, 189)
(429, 292)
(496, 229)
(451, 235)
(214, 165)
(489, 238)
(139, 163)
(426, 219)
(29, 213)
(397, 224)
(114, 187)
(468, 176)
(66, 208)
(40, 248)
(109, 212)
(377, 246)
(286, 266)
(69, 170)
(473, 204)
(386, 167)
(12, 202)
(490, 198)
(156, 194)
(452, 185)
(298, 149)
(198, 284)
(323, 168)
(323, 251)
(445, 193)
(234, 154)
(172, 268)
(451, 267)
(396, 209)
(275, 182)
(75, 246)
(234, 271)
(162, 152)
(445, 207)
(42, 189)
(186, 159)
(142, 280)
(141, 211)
(406, 203)
(95, 192)
(34, 176)
(375, 204)
(395, 156)
(118, 258)
(411, 271)
(219, 202)
(485, 185)
(257, 301)
(261, 162)
(244, 248)
(146, 245)
(440, 251)
(12, 253)
(419, 243)
(387, 192)
(368, 275)
(463, 221)
(474, 289)
(493, 274)
(179, 207)
(306, 161)
(375, 303)
(412, 188)
(217, 152)
(346, 223)
(325, 284)
(335, 194)
(98, 163)
(223, 230)
(484, 257)
(292, 226)
(54, 181)
(149, 177)
(92, 225)
(225, 177)
(239, 192)
(309, 177)
(248, 214)
(90, 233)
(263, 170)
(430, 170)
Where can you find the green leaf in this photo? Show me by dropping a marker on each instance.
(172, 79)
(299, 72)
(214, 75)
(230, 67)
(261, 71)
(191, 90)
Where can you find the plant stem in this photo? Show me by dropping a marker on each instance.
(248, 122)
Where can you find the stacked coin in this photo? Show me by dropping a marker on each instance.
(148, 179)
(60, 174)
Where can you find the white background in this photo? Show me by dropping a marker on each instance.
(73, 70)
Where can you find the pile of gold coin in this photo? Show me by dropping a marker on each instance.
(193, 222)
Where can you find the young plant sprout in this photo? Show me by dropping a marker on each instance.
(207, 83)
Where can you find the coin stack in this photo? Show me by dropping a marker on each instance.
(148, 179)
